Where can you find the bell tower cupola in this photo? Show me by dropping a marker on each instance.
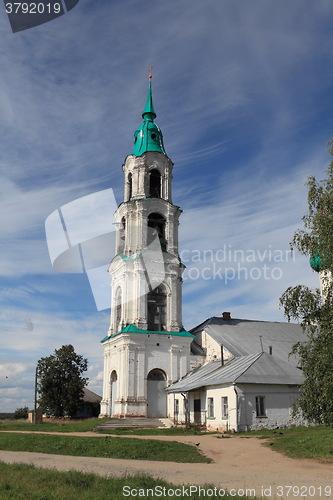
(148, 137)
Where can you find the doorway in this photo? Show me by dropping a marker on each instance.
(197, 411)
(156, 395)
(113, 380)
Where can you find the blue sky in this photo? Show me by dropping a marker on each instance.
(243, 95)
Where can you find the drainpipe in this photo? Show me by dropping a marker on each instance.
(236, 407)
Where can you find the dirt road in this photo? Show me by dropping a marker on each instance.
(239, 463)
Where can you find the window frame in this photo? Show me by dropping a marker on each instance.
(224, 407)
(260, 407)
(210, 408)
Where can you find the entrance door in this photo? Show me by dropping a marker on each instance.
(197, 411)
(113, 391)
(156, 395)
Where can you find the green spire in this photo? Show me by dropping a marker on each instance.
(148, 136)
(149, 112)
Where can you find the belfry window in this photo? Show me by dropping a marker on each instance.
(155, 184)
(157, 305)
(129, 187)
(117, 308)
(156, 224)
(122, 229)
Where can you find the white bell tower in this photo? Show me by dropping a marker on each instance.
(146, 348)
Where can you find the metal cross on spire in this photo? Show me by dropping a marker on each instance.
(150, 75)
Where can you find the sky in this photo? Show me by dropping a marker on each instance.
(243, 93)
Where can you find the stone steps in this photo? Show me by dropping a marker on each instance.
(134, 423)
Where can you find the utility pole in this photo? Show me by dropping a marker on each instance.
(35, 404)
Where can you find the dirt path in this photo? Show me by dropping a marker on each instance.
(240, 463)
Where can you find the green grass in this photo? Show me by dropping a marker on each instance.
(107, 447)
(301, 442)
(89, 425)
(25, 482)
(53, 426)
(171, 431)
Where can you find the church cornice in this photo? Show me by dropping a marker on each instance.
(134, 329)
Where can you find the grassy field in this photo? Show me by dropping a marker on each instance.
(89, 425)
(53, 426)
(301, 442)
(170, 431)
(107, 447)
(24, 482)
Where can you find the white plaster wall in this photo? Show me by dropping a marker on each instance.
(196, 361)
(212, 348)
(133, 356)
(279, 400)
(278, 404)
(217, 422)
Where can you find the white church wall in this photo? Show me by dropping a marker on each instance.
(133, 356)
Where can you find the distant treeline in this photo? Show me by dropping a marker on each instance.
(6, 416)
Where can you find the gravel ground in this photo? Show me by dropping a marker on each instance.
(239, 463)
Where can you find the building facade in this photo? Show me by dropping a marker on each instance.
(146, 348)
(226, 373)
(246, 379)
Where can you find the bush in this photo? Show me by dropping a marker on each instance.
(21, 412)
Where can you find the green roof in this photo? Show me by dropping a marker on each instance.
(148, 136)
(133, 329)
(316, 262)
(149, 107)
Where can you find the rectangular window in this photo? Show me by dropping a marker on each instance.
(225, 411)
(176, 406)
(260, 406)
(210, 407)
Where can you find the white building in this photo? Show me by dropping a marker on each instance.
(246, 378)
(226, 373)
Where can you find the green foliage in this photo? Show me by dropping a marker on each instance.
(19, 481)
(314, 309)
(21, 413)
(60, 382)
(106, 447)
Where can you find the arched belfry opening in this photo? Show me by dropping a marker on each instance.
(157, 309)
(156, 395)
(155, 186)
(129, 180)
(121, 234)
(118, 308)
(157, 222)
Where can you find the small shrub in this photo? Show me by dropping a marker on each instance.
(21, 413)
